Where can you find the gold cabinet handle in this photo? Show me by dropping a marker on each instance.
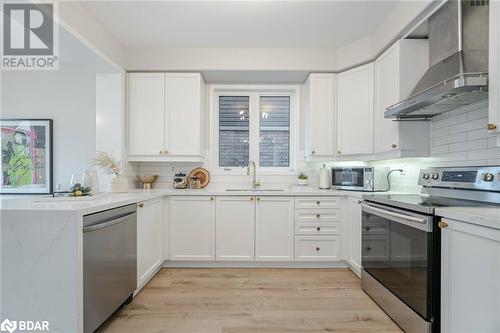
(339, 152)
(165, 152)
(394, 145)
(258, 199)
(313, 152)
(211, 198)
(251, 199)
(491, 127)
(317, 248)
(318, 216)
(318, 202)
(141, 205)
(161, 152)
(442, 224)
(318, 228)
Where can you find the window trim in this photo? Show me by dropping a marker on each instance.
(254, 92)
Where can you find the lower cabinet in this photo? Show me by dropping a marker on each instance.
(192, 228)
(149, 239)
(235, 226)
(317, 248)
(274, 228)
(470, 283)
(355, 234)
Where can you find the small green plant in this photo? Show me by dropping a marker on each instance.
(302, 175)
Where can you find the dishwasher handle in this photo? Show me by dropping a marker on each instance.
(107, 223)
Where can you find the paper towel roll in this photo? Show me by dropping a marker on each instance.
(324, 178)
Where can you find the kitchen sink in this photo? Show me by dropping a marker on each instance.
(254, 190)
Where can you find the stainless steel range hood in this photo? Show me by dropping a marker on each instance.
(458, 59)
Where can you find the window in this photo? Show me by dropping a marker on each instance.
(234, 131)
(255, 126)
(274, 131)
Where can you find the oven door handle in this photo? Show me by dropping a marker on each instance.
(411, 221)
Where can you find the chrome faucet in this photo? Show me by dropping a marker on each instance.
(255, 183)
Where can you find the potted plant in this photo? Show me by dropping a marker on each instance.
(302, 178)
(117, 183)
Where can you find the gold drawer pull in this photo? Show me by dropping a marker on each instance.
(258, 199)
(491, 127)
(442, 224)
(313, 152)
(211, 198)
(141, 205)
(317, 248)
(394, 145)
(318, 228)
(318, 202)
(251, 199)
(318, 216)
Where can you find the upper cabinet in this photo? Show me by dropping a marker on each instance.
(494, 70)
(397, 71)
(355, 111)
(166, 116)
(319, 111)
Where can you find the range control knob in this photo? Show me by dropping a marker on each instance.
(487, 177)
(435, 176)
(425, 176)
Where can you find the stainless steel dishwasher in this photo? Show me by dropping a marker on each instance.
(109, 263)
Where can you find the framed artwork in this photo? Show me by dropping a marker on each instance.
(26, 156)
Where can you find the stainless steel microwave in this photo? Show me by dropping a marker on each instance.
(360, 178)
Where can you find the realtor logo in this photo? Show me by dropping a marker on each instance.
(8, 326)
(29, 38)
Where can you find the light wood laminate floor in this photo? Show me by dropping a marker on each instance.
(249, 301)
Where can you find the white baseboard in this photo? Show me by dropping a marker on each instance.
(255, 264)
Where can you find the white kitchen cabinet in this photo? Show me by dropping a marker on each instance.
(397, 71)
(470, 271)
(317, 248)
(146, 104)
(494, 70)
(166, 116)
(192, 228)
(319, 115)
(184, 100)
(274, 229)
(149, 239)
(235, 225)
(355, 111)
(354, 232)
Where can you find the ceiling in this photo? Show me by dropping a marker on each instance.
(239, 24)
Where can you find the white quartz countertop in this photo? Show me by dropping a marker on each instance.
(104, 201)
(483, 216)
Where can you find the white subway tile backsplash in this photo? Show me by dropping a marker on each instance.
(469, 125)
(453, 138)
(469, 145)
(460, 137)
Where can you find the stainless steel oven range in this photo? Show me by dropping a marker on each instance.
(401, 242)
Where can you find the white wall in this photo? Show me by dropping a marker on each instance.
(66, 95)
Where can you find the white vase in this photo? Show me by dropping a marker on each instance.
(118, 184)
(302, 181)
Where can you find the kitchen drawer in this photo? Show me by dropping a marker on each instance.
(375, 229)
(317, 228)
(317, 215)
(317, 202)
(375, 248)
(317, 248)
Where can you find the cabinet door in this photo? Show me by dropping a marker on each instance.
(494, 69)
(355, 111)
(192, 228)
(319, 108)
(146, 98)
(274, 230)
(149, 239)
(386, 94)
(235, 228)
(355, 234)
(183, 99)
(470, 270)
